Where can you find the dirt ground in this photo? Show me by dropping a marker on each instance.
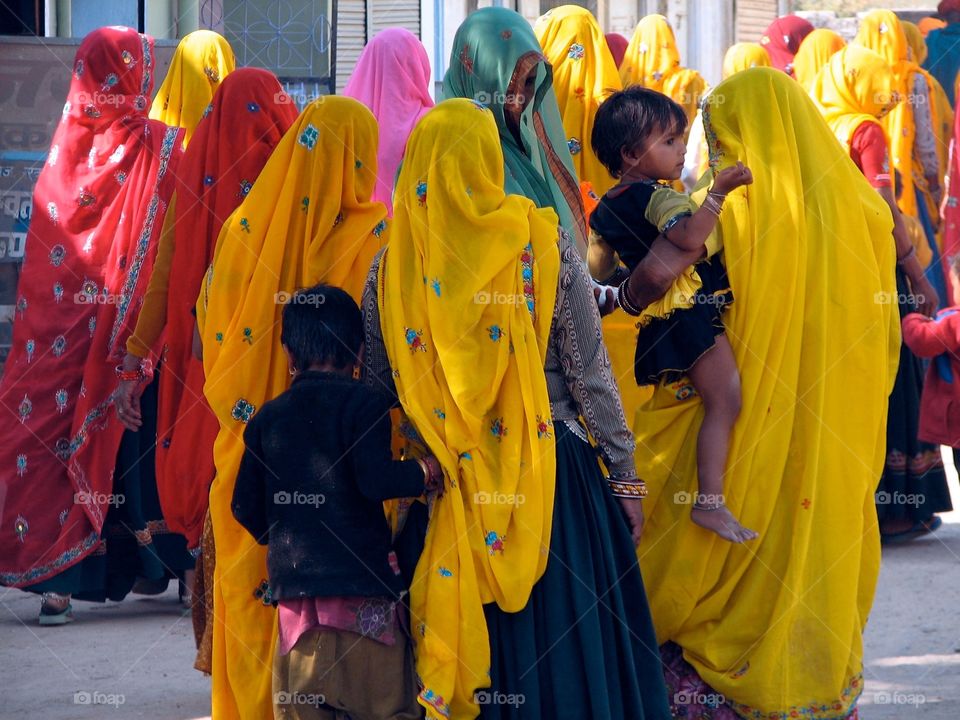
(135, 659)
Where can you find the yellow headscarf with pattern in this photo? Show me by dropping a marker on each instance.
(199, 64)
(467, 292)
(882, 32)
(776, 626)
(742, 56)
(815, 51)
(307, 219)
(854, 87)
(584, 75)
(653, 61)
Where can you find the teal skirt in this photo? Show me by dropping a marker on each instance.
(584, 646)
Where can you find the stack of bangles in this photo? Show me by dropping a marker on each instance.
(130, 375)
(714, 202)
(628, 488)
(624, 301)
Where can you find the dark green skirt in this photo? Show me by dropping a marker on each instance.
(584, 646)
(135, 542)
(914, 483)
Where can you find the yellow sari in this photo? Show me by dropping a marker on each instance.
(854, 87)
(775, 626)
(200, 63)
(307, 219)
(815, 51)
(743, 56)
(882, 31)
(467, 292)
(653, 61)
(584, 75)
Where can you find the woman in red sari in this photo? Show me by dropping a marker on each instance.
(100, 203)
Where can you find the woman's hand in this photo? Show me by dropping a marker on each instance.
(633, 509)
(127, 396)
(925, 295)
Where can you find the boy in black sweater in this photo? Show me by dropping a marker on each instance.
(311, 485)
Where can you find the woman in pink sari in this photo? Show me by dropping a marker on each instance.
(392, 79)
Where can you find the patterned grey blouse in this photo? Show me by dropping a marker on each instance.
(580, 381)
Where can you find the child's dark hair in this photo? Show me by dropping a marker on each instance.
(322, 324)
(628, 118)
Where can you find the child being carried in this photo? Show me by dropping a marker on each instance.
(638, 135)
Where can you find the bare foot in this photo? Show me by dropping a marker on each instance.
(720, 520)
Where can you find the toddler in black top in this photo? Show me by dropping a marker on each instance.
(638, 135)
(311, 485)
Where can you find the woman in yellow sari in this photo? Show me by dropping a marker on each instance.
(584, 74)
(777, 630)
(911, 125)
(307, 219)
(488, 333)
(653, 60)
(850, 91)
(200, 63)
(815, 51)
(742, 56)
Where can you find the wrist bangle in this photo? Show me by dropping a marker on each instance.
(426, 470)
(623, 299)
(130, 375)
(910, 254)
(629, 490)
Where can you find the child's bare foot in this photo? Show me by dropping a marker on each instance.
(718, 518)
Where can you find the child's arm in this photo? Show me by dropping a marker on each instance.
(602, 260)
(378, 475)
(690, 232)
(249, 503)
(928, 338)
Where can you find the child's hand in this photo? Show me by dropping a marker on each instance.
(731, 178)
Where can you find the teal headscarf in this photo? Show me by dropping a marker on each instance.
(487, 49)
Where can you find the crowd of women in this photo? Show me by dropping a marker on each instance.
(167, 236)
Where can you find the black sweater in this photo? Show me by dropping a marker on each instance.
(316, 470)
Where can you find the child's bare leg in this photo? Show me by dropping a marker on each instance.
(717, 381)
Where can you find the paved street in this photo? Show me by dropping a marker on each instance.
(135, 659)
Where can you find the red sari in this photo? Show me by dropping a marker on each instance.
(951, 212)
(244, 123)
(99, 205)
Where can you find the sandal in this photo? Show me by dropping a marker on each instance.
(919, 528)
(51, 614)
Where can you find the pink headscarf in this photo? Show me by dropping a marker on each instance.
(618, 46)
(392, 79)
(782, 40)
